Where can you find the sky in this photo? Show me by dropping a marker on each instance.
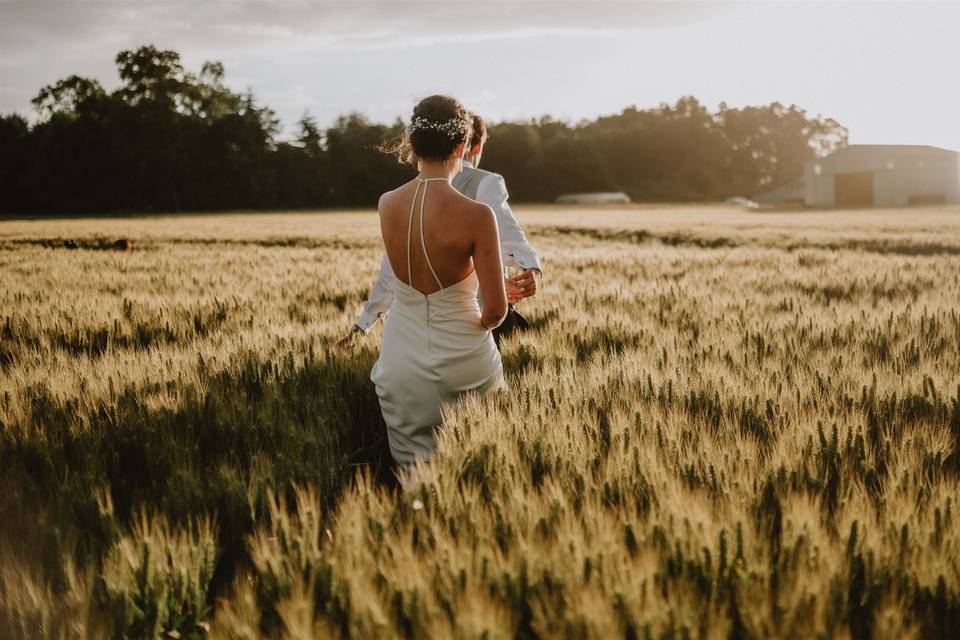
(887, 71)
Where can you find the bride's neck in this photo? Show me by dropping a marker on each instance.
(439, 169)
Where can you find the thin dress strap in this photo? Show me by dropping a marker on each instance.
(423, 244)
(413, 204)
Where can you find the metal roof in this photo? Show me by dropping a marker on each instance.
(900, 149)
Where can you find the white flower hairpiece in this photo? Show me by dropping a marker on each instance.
(451, 127)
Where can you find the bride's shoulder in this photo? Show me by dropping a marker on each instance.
(476, 211)
(397, 191)
(386, 197)
(464, 203)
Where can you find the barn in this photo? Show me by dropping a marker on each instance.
(866, 175)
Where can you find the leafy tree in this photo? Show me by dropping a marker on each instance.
(171, 139)
(151, 75)
(14, 141)
(359, 173)
(516, 151)
(309, 135)
(70, 96)
(768, 145)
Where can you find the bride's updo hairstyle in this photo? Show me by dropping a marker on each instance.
(438, 126)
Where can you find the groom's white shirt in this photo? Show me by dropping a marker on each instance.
(515, 250)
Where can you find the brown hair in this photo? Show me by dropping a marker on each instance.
(479, 132)
(439, 125)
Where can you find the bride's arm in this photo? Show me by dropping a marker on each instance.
(381, 295)
(489, 266)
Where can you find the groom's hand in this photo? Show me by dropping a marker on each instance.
(523, 286)
(514, 293)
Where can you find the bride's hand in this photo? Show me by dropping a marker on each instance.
(348, 340)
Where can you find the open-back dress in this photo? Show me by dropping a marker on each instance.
(433, 350)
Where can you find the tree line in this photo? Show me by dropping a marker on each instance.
(169, 139)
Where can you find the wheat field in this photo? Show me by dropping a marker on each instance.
(723, 424)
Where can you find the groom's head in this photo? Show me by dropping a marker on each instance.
(474, 148)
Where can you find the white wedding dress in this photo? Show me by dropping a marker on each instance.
(433, 350)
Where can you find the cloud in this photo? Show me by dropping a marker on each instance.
(42, 41)
(42, 25)
(514, 59)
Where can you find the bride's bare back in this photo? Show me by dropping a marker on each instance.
(459, 234)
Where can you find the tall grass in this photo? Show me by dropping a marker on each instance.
(721, 425)
(155, 579)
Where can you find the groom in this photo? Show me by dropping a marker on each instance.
(490, 189)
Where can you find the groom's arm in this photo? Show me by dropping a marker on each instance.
(381, 295)
(514, 246)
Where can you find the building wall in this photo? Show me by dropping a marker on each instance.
(819, 186)
(916, 177)
(897, 175)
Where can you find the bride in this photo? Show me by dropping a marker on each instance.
(443, 246)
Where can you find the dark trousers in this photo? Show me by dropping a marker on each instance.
(513, 322)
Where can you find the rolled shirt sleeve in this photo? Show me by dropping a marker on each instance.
(515, 249)
(380, 298)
